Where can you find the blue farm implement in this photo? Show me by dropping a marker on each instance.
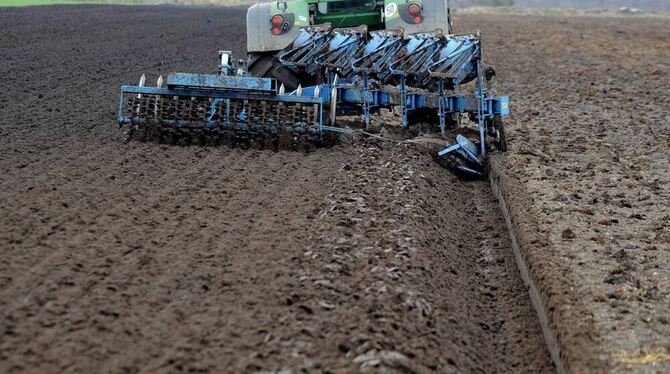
(340, 72)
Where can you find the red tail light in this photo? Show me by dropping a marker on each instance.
(414, 11)
(277, 21)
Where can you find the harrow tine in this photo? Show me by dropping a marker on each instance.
(159, 84)
(143, 79)
(282, 89)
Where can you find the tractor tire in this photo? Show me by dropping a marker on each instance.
(286, 77)
(265, 65)
(261, 64)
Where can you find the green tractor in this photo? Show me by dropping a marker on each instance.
(271, 27)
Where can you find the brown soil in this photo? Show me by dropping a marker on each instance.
(588, 177)
(146, 257)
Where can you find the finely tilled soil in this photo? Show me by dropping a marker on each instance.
(589, 174)
(144, 257)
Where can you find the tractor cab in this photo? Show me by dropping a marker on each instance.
(347, 13)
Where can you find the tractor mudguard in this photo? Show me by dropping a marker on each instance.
(259, 28)
(435, 15)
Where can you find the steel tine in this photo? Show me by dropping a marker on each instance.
(159, 84)
(143, 79)
(317, 91)
(282, 89)
(298, 91)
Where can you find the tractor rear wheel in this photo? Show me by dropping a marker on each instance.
(265, 65)
(260, 64)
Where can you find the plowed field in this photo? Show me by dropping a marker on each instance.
(147, 257)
